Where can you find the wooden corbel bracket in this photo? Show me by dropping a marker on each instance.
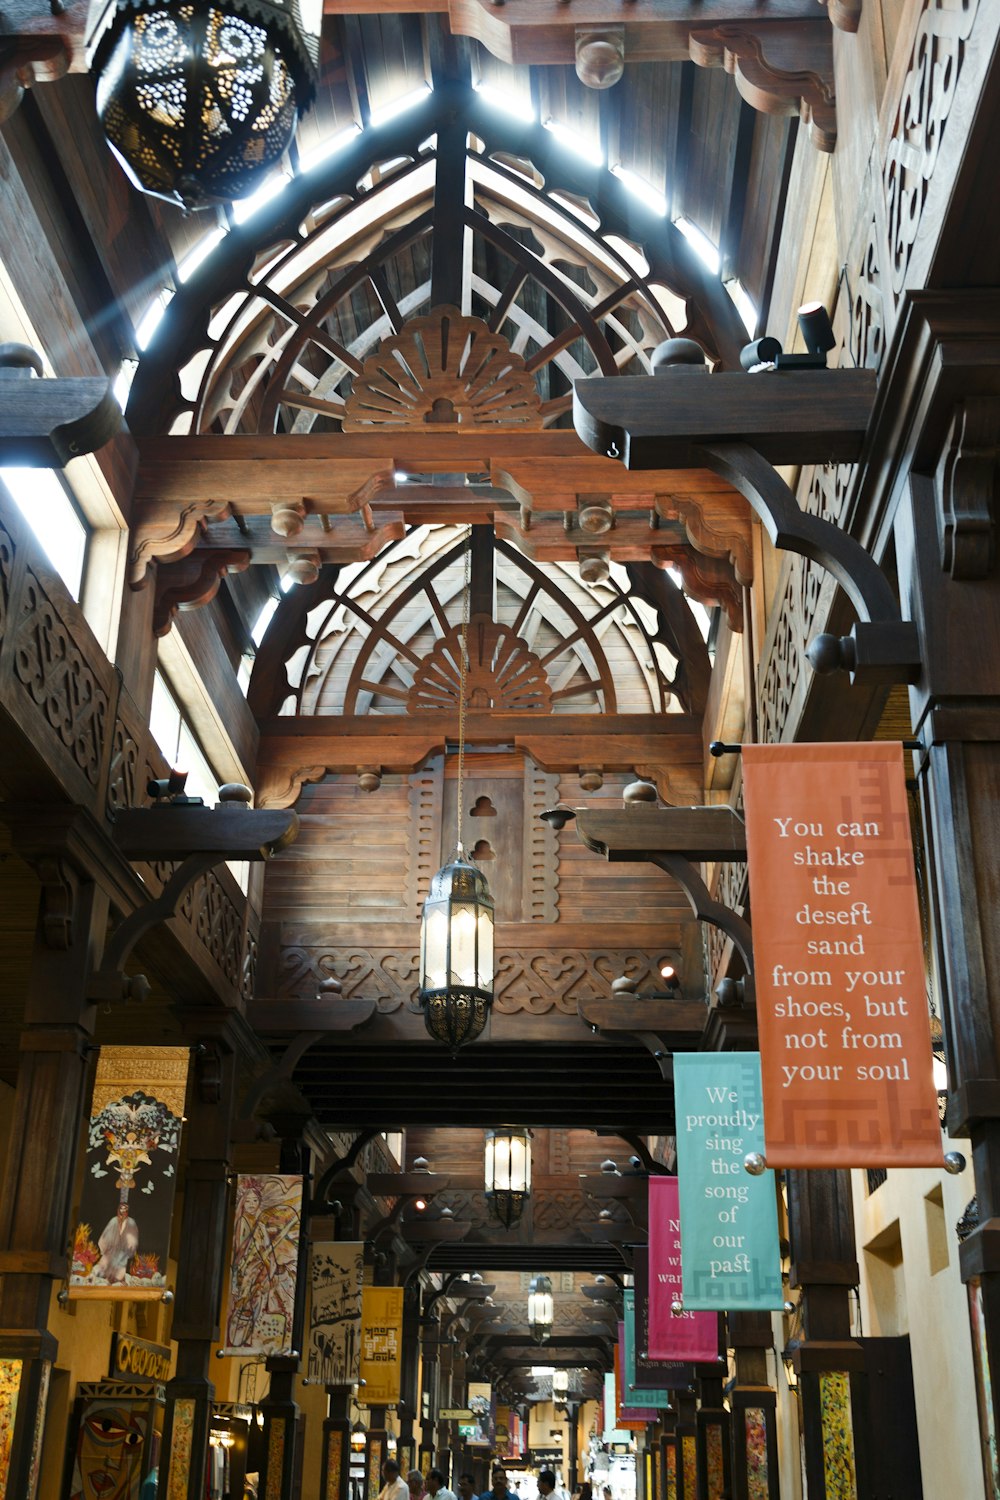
(350, 1015)
(672, 839)
(44, 423)
(740, 427)
(199, 837)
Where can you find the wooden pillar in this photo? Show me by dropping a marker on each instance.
(713, 1436)
(409, 1381)
(573, 1456)
(686, 1432)
(335, 1478)
(376, 1452)
(944, 529)
(204, 1256)
(754, 1404)
(824, 1267)
(668, 1458)
(49, 1109)
(282, 1436)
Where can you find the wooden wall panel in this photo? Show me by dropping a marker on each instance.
(351, 859)
(593, 890)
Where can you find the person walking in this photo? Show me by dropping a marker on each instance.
(393, 1488)
(436, 1487)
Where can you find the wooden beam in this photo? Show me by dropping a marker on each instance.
(679, 1023)
(789, 416)
(636, 832)
(293, 752)
(230, 832)
(45, 423)
(250, 470)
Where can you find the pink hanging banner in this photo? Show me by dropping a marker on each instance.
(692, 1336)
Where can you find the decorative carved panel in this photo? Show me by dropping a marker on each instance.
(58, 678)
(534, 981)
(502, 672)
(540, 893)
(445, 369)
(920, 123)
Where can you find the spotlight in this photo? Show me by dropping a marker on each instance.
(762, 351)
(816, 328)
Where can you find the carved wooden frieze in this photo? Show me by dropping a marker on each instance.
(534, 980)
(920, 121)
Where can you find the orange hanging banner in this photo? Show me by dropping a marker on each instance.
(838, 956)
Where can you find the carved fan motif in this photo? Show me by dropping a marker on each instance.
(502, 674)
(444, 369)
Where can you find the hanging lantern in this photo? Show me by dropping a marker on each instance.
(199, 100)
(508, 1173)
(456, 954)
(540, 1308)
(456, 929)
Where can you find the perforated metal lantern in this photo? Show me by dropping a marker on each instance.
(199, 101)
(456, 954)
(507, 1174)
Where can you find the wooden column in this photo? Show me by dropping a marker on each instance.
(281, 1410)
(49, 1109)
(409, 1376)
(668, 1458)
(945, 539)
(335, 1478)
(824, 1267)
(204, 1256)
(686, 1432)
(375, 1456)
(754, 1409)
(713, 1436)
(572, 1457)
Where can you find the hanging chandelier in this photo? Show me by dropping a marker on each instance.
(199, 100)
(508, 1173)
(456, 930)
(540, 1309)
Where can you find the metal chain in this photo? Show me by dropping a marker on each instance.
(463, 668)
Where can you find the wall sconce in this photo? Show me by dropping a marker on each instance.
(507, 1174)
(540, 1308)
(199, 101)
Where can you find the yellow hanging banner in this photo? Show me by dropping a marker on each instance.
(381, 1345)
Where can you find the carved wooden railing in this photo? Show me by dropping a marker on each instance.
(935, 79)
(69, 729)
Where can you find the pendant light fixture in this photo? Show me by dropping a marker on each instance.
(199, 100)
(508, 1173)
(540, 1309)
(456, 932)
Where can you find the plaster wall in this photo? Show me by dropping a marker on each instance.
(910, 1283)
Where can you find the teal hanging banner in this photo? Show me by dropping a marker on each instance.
(729, 1220)
(633, 1395)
